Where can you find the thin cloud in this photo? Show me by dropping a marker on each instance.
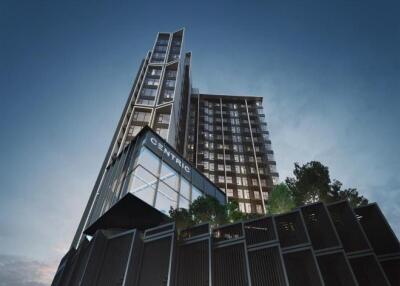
(21, 271)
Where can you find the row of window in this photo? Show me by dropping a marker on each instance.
(234, 138)
(246, 208)
(156, 72)
(238, 169)
(211, 104)
(243, 194)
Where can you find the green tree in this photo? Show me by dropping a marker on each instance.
(206, 209)
(312, 183)
(280, 200)
(182, 218)
(350, 194)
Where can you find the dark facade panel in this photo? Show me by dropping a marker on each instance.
(379, 233)
(260, 231)
(348, 227)
(336, 270)
(291, 229)
(320, 227)
(201, 229)
(115, 261)
(230, 265)
(90, 271)
(302, 268)
(391, 268)
(266, 267)
(228, 232)
(368, 271)
(194, 263)
(158, 259)
(238, 254)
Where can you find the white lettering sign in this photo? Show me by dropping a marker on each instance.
(170, 154)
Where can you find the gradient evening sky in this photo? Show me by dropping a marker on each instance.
(329, 72)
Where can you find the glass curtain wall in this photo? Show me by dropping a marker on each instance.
(159, 185)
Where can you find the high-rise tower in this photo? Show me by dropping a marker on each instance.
(224, 136)
(228, 140)
(159, 99)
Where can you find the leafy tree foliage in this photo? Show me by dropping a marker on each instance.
(280, 200)
(206, 209)
(350, 194)
(312, 183)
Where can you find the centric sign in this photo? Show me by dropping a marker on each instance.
(170, 154)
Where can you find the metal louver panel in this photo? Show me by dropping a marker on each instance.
(266, 267)
(155, 262)
(229, 267)
(193, 264)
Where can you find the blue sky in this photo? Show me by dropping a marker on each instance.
(329, 72)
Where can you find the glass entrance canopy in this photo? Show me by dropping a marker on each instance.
(150, 169)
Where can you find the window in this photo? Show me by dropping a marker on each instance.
(240, 193)
(220, 167)
(237, 169)
(252, 170)
(134, 130)
(229, 192)
(229, 179)
(143, 116)
(244, 181)
(241, 207)
(263, 183)
(185, 188)
(254, 182)
(221, 179)
(169, 176)
(154, 72)
(196, 193)
(259, 209)
(243, 169)
(163, 132)
(183, 203)
(170, 83)
(166, 198)
(171, 73)
(142, 184)
(265, 195)
(228, 168)
(163, 118)
(211, 165)
(149, 160)
(152, 82)
(248, 207)
(220, 156)
(246, 194)
(149, 92)
(239, 181)
(256, 195)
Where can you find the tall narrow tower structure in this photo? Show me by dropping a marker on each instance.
(159, 98)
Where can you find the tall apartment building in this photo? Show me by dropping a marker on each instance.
(223, 136)
(159, 98)
(228, 140)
